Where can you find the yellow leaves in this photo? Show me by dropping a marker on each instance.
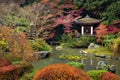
(116, 45)
(0, 34)
(17, 43)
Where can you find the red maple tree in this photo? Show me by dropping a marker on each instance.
(101, 30)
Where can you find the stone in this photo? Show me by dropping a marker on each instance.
(58, 47)
(43, 54)
(93, 46)
(101, 56)
(102, 65)
(112, 68)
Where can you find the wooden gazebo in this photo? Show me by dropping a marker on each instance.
(87, 24)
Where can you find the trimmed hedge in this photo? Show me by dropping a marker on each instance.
(9, 72)
(4, 62)
(61, 72)
(109, 76)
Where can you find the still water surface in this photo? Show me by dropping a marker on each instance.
(90, 62)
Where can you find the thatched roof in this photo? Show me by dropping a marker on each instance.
(87, 21)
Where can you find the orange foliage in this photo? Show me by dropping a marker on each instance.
(9, 72)
(101, 31)
(44, 1)
(17, 42)
(4, 62)
(109, 76)
(8, 68)
(61, 72)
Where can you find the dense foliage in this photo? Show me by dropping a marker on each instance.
(61, 72)
(76, 64)
(80, 42)
(40, 45)
(107, 9)
(116, 45)
(4, 62)
(109, 76)
(17, 43)
(95, 74)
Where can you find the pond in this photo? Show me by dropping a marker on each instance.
(90, 61)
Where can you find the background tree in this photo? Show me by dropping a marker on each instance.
(107, 9)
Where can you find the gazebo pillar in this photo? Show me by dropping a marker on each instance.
(82, 30)
(91, 30)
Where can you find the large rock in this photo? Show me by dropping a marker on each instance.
(102, 65)
(43, 54)
(93, 46)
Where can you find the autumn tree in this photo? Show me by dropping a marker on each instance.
(17, 43)
(101, 31)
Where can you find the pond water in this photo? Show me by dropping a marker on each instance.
(90, 62)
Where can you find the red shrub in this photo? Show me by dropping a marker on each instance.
(4, 62)
(113, 29)
(101, 31)
(9, 72)
(109, 76)
(61, 72)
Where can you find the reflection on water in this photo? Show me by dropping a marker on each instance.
(90, 62)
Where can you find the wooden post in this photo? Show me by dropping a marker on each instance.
(82, 30)
(91, 30)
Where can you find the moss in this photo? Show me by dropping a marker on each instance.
(71, 57)
(100, 51)
(76, 64)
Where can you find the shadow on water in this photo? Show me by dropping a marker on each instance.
(90, 62)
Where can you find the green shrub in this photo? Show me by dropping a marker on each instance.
(86, 40)
(66, 38)
(79, 44)
(95, 74)
(108, 39)
(76, 64)
(40, 45)
(83, 41)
